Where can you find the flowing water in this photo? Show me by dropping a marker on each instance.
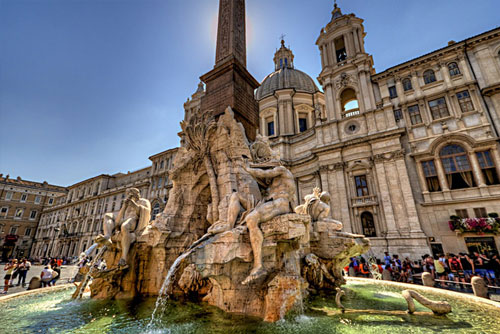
(369, 310)
(165, 287)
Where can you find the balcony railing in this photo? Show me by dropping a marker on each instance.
(364, 200)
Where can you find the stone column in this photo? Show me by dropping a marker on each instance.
(443, 68)
(441, 175)
(351, 51)
(421, 177)
(416, 85)
(331, 107)
(385, 198)
(478, 174)
(280, 127)
(496, 158)
(411, 209)
(397, 198)
(343, 191)
(356, 40)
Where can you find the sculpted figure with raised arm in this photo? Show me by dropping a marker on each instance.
(279, 195)
(132, 218)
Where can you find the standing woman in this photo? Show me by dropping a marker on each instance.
(9, 269)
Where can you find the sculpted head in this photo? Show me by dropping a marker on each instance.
(132, 193)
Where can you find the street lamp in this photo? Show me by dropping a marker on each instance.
(56, 231)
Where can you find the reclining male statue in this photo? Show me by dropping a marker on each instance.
(132, 218)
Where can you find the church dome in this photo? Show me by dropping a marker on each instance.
(285, 76)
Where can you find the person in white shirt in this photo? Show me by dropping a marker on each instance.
(46, 276)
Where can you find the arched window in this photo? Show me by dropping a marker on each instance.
(349, 103)
(453, 68)
(457, 167)
(429, 76)
(368, 224)
(407, 84)
(155, 211)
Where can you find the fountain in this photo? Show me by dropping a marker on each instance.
(232, 248)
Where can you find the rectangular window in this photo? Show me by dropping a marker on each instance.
(431, 177)
(270, 128)
(38, 199)
(27, 232)
(160, 180)
(24, 197)
(361, 186)
(302, 124)
(33, 214)
(480, 213)
(462, 213)
(13, 230)
(19, 213)
(414, 113)
(439, 108)
(393, 93)
(487, 167)
(8, 195)
(51, 201)
(465, 101)
(4, 211)
(398, 115)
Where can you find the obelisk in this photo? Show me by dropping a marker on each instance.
(229, 83)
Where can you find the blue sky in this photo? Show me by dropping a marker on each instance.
(97, 86)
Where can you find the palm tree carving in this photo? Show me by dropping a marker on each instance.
(198, 131)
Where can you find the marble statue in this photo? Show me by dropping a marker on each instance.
(279, 184)
(439, 307)
(132, 219)
(317, 205)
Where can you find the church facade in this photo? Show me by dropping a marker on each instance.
(400, 151)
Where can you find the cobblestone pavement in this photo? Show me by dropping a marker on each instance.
(67, 273)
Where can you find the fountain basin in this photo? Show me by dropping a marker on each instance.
(371, 307)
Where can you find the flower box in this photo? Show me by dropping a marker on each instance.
(475, 225)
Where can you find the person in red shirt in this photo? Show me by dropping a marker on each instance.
(59, 262)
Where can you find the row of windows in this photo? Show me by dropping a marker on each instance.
(162, 164)
(271, 131)
(13, 230)
(429, 77)
(478, 213)
(438, 108)
(458, 170)
(24, 198)
(18, 213)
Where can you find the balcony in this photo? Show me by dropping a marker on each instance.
(364, 201)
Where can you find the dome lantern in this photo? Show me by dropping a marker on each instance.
(283, 57)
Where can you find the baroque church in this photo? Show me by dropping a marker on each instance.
(399, 151)
(410, 155)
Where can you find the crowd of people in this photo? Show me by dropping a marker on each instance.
(449, 269)
(18, 269)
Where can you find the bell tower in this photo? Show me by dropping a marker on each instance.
(346, 67)
(229, 83)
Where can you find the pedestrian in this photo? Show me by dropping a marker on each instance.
(24, 266)
(387, 259)
(56, 274)
(46, 276)
(9, 269)
(467, 265)
(14, 273)
(440, 271)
